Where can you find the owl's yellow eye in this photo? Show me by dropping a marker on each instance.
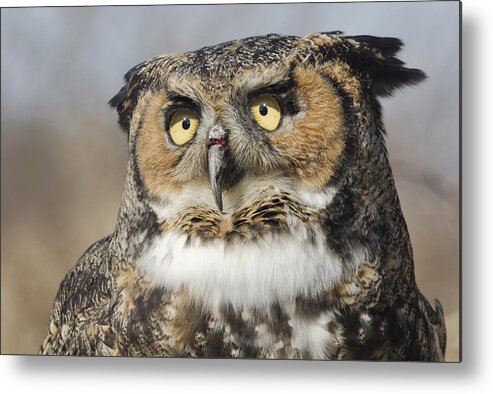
(266, 112)
(183, 126)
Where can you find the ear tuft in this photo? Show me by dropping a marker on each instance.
(375, 57)
(126, 99)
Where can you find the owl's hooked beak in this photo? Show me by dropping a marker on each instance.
(217, 163)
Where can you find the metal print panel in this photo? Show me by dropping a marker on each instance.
(260, 215)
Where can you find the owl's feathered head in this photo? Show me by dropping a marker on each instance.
(221, 124)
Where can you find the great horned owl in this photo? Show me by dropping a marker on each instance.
(259, 217)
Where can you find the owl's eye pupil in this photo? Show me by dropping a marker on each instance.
(263, 109)
(185, 123)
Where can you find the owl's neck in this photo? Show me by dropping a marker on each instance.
(272, 247)
(135, 220)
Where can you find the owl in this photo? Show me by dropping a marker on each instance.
(259, 217)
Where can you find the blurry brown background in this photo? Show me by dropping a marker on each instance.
(63, 157)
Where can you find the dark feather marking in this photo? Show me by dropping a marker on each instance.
(350, 130)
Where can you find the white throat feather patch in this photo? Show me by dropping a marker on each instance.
(278, 267)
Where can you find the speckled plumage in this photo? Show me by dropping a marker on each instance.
(307, 254)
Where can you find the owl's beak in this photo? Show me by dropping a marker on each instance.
(217, 163)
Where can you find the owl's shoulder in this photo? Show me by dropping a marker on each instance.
(79, 320)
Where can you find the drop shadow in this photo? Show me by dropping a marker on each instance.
(141, 367)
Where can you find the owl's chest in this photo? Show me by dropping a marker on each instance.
(279, 332)
(276, 266)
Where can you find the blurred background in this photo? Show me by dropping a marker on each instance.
(63, 157)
